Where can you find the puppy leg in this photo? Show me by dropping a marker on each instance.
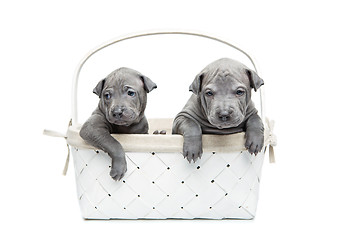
(191, 131)
(97, 133)
(254, 134)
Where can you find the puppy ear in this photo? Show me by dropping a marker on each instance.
(148, 84)
(255, 81)
(99, 87)
(195, 87)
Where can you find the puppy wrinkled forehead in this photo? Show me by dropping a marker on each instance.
(227, 75)
(120, 78)
(225, 67)
(224, 77)
(223, 73)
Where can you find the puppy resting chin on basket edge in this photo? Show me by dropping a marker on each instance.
(220, 104)
(123, 96)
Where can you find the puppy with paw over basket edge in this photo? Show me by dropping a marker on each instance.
(123, 97)
(220, 104)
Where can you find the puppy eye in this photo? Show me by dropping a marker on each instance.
(209, 93)
(239, 92)
(107, 96)
(131, 93)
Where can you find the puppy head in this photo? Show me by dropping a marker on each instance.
(123, 96)
(224, 91)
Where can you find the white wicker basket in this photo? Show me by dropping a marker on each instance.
(159, 183)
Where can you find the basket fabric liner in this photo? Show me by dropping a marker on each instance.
(169, 142)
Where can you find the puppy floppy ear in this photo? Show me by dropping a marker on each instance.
(148, 84)
(195, 87)
(99, 87)
(255, 81)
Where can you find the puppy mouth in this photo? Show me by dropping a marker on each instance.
(127, 118)
(220, 124)
(121, 122)
(224, 125)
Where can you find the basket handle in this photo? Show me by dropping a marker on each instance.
(74, 102)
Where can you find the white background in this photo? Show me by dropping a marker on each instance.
(308, 53)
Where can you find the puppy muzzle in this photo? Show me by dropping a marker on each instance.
(225, 118)
(224, 115)
(122, 116)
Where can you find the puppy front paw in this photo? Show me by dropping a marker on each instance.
(254, 141)
(162, 132)
(118, 169)
(192, 148)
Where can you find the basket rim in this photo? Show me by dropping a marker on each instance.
(166, 143)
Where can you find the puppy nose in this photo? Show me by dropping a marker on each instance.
(117, 113)
(224, 115)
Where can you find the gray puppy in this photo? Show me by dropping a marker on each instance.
(221, 104)
(121, 110)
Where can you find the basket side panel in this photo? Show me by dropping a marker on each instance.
(164, 185)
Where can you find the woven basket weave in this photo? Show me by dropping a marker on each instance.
(164, 185)
(159, 182)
